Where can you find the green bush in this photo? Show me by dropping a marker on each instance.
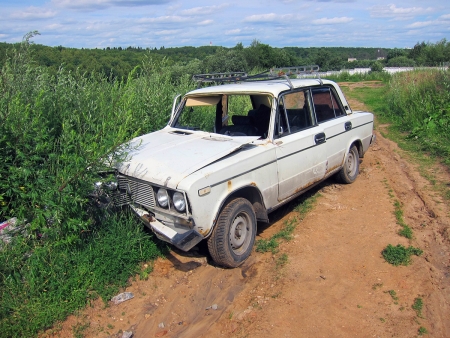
(419, 104)
(57, 132)
(400, 255)
(376, 67)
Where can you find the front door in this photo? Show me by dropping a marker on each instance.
(300, 145)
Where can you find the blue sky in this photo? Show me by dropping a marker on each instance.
(171, 23)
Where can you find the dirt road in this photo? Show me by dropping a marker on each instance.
(329, 281)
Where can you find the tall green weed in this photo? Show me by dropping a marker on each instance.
(57, 132)
(419, 104)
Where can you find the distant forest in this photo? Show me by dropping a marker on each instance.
(118, 62)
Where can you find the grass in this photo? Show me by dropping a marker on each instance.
(421, 331)
(398, 104)
(393, 294)
(417, 306)
(78, 329)
(56, 134)
(376, 286)
(419, 104)
(271, 244)
(400, 255)
(406, 231)
(282, 260)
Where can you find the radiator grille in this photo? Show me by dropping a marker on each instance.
(134, 190)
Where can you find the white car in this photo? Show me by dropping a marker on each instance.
(235, 151)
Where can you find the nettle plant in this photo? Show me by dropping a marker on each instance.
(57, 133)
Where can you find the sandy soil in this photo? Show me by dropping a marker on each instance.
(335, 282)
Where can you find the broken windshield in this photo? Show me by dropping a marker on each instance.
(233, 115)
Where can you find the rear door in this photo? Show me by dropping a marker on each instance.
(300, 144)
(331, 117)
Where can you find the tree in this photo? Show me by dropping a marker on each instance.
(376, 67)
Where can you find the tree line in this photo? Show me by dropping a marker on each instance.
(118, 62)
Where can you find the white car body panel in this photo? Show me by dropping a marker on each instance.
(189, 151)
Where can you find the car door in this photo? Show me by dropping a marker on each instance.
(335, 123)
(300, 144)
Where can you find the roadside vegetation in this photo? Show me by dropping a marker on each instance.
(285, 234)
(57, 132)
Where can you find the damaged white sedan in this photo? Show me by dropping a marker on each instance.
(232, 153)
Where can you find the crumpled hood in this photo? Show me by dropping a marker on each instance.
(167, 156)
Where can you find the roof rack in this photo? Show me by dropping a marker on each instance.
(273, 73)
(220, 77)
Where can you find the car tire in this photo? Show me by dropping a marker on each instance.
(232, 239)
(350, 170)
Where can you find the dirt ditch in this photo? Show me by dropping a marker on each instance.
(329, 280)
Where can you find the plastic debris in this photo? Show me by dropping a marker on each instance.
(120, 298)
(127, 334)
(8, 229)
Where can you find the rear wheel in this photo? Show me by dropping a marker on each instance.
(350, 170)
(233, 237)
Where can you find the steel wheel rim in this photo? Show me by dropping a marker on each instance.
(351, 163)
(240, 233)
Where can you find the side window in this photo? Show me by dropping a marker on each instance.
(294, 113)
(325, 104)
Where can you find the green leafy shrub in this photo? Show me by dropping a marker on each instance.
(57, 132)
(417, 306)
(400, 255)
(376, 67)
(419, 104)
(421, 331)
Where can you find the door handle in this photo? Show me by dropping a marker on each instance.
(348, 126)
(319, 138)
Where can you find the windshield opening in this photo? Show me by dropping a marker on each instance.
(233, 115)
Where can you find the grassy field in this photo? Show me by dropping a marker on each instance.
(414, 108)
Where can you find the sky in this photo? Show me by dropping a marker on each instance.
(278, 23)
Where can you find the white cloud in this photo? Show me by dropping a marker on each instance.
(331, 21)
(204, 10)
(421, 24)
(164, 19)
(399, 13)
(32, 12)
(205, 22)
(168, 32)
(270, 17)
(442, 20)
(233, 32)
(87, 5)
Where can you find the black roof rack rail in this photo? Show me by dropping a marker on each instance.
(273, 73)
(220, 77)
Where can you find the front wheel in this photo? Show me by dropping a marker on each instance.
(232, 239)
(350, 170)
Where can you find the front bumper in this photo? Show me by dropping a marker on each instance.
(183, 241)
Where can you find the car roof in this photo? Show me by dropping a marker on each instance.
(272, 87)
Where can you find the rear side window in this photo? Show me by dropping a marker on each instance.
(326, 105)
